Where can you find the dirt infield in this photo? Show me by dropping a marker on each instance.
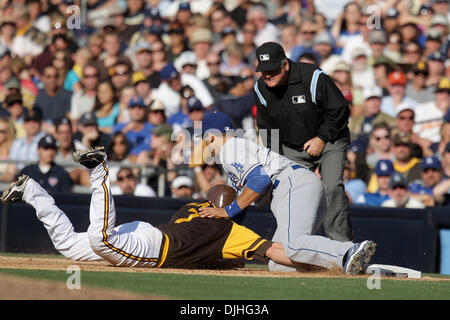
(24, 288)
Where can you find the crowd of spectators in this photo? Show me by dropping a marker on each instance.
(131, 74)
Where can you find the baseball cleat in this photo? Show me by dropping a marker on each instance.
(90, 158)
(15, 190)
(358, 257)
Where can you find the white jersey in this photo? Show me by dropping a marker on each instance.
(240, 156)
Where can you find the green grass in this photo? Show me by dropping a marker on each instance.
(210, 287)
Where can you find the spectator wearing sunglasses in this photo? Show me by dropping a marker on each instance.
(380, 144)
(127, 184)
(416, 88)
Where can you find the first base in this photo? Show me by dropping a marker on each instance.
(393, 271)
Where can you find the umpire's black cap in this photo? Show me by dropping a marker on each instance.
(269, 55)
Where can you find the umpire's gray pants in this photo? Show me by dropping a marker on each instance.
(299, 204)
(336, 223)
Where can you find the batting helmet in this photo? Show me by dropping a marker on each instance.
(221, 195)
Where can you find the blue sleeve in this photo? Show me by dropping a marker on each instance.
(258, 180)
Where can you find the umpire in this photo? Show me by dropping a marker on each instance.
(311, 114)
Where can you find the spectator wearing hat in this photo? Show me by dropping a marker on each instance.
(182, 187)
(430, 115)
(88, 134)
(169, 92)
(435, 62)
(434, 39)
(178, 42)
(202, 41)
(83, 100)
(380, 144)
(383, 170)
(120, 74)
(398, 193)
(404, 124)
(416, 88)
(362, 75)
(441, 191)
(14, 105)
(143, 87)
(362, 125)
(422, 190)
(156, 114)
(397, 94)
(138, 130)
(52, 177)
(323, 45)
(405, 162)
(25, 148)
(121, 22)
(127, 183)
(186, 63)
(341, 74)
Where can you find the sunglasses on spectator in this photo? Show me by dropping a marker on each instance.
(95, 75)
(383, 137)
(128, 177)
(3, 131)
(118, 142)
(121, 73)
(215, 63)
(309, 32)
(406, 118)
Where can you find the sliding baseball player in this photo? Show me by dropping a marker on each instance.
(298, 199)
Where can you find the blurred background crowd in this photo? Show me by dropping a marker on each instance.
(131, 74)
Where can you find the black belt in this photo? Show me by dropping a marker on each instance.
(277, 182)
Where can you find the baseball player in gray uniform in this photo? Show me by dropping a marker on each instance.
(298, 199)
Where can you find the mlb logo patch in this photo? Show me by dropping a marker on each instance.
(298, 99)
(264, 57)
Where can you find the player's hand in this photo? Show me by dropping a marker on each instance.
(213, 213)
(314, 146)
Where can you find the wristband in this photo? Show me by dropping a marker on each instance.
(198, 169)
(233, 209)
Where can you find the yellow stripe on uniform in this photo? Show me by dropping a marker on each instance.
(240, 242)
(105, 226)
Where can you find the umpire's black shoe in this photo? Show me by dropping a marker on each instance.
(15, 190)
(90, 158)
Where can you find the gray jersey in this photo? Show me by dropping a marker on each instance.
(240, 156)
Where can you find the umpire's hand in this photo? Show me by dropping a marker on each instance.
(314, 146)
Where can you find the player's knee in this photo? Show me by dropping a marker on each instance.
(96, 241)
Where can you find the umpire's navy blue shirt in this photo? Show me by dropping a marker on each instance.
(309, 105)
(56, 180)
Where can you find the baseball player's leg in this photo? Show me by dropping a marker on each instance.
(132, 244)
(336, 223)
(296, 205)
(72, 245)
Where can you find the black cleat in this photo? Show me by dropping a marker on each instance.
(15, 190)
(90, 158)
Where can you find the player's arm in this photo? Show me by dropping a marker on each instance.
(256, 183)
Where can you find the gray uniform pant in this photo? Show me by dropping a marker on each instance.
(331, 162)
(299, 204)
